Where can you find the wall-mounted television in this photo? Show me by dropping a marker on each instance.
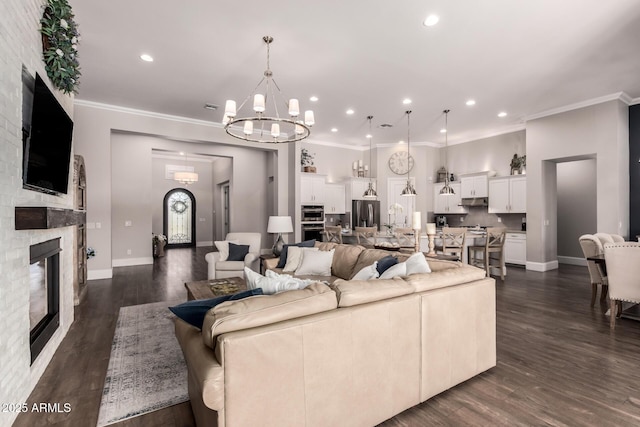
(46, 138)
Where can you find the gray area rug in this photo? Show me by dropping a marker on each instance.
(146, 370)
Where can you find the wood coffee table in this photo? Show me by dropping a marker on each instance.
(205, 289)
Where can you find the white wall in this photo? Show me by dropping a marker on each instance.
(577, 206)
(222, 173)
(600, 131)
(101, 131)
(20, 45)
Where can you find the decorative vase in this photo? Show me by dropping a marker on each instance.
(158, 249)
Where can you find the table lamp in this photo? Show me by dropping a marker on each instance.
(279, 224)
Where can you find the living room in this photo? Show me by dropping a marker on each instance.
(119, 140)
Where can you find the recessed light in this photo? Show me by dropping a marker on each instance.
(502, 114)
(401, 142)
(146, 57)
(334, 129)
(182, 153)
(471, 102)
(431, 20)
(369, 136)
(350, 111)
(443, 131)
(406, 101)
(313, 99)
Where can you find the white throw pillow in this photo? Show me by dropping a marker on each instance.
(400, 269)
(316, 263)
(369, 272)
(275, 284)
(417, 263)
(302, 283)
(223, 248)
(294, 257)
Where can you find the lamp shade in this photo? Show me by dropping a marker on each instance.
(280, 224)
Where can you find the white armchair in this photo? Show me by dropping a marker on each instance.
(220, 269)
(623, 271)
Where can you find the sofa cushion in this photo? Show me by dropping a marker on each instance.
(437, 264)
(237, 252)
(193, 312)
(367, 257)
(263, 310)
(417, 263)
(285, 250)
(316, 262)
(229, 265)
(345, 258)
(445, 277)
(356, 292)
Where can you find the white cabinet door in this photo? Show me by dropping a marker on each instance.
(499, 195)
(335, 199)
(515, 249)
(466, 187)
(312, 189)
(518, 195)
(474, 186)
(440, 203)
(448, 204)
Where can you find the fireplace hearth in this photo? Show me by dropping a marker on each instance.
(44, 295)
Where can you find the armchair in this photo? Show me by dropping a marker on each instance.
(220, 269)
(623, 270)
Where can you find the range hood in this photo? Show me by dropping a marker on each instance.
(474, 201)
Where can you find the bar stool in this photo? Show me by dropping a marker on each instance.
(493, 244)
(333, 233)
(452, 241)
(366, 235)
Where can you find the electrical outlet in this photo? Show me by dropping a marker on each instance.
(461, 219)
(330, 219)
(128, 251)
(499, 219)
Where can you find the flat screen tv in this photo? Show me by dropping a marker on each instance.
(46, 136)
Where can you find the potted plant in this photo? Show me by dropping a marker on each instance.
(306, 160)
(158, 241)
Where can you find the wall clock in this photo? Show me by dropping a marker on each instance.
(400, 162)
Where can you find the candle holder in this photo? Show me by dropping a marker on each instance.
(416, 234)
(432, 244)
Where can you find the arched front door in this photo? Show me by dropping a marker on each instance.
(179, 223)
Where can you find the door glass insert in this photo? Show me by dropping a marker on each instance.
(179, 214)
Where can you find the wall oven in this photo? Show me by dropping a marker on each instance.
(312, 222)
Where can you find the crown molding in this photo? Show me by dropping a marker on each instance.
(144, 113)
(483, 135)
(622, 96)
(336, 145)
(634, 101)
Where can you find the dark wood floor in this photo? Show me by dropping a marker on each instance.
(558, 362)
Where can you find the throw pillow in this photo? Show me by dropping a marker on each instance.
(302, 283)
(385, 263)
(274, 284)
(285, 250)
(316, 263)
(193, 312)
(400, 269)
(294, 257)
(417, 263)
(369, 272)
(237, 252)
(223, 248)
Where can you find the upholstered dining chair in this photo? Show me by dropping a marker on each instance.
(493, 244)
(452, 241)
(404, 237)
(366, 235)
(333, 233)
(623, 271)
(592, 246)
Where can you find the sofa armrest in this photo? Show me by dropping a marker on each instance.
(250, 257)
(212, 258)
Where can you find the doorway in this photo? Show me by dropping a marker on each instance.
(179, 218)
(226, 208)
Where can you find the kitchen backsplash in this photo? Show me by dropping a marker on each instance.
(479, 215)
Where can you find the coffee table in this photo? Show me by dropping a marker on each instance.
(205, 289)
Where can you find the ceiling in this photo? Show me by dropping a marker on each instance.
(523, 57)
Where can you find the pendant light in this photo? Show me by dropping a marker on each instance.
(446, 190)
(370, 193)
(408, 190)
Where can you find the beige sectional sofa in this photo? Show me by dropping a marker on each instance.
(351, 354)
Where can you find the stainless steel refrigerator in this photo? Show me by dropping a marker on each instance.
(365, 213)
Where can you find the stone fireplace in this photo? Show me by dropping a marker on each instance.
(44, 293)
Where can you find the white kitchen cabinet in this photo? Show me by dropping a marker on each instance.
(508, 195)
(474, 186)
(515, 248)
(448, 204)
(335, 199)
(312, 189)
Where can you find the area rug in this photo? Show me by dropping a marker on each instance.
(146, 369)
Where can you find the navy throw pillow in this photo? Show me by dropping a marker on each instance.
(237, 252)
(385, 263)
(285, 250)
(193, 312)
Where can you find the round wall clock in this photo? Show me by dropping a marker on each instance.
(400, 162)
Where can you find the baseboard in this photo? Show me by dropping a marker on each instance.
(542, 266)
(127, 262)
(572, 260)
(204, 243)
(107, 273)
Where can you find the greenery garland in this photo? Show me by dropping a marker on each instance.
(60, 39)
